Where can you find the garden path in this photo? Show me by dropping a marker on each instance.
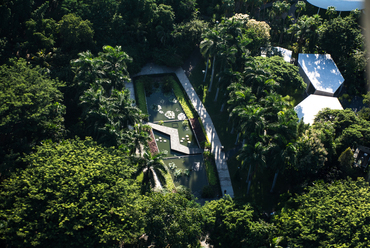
(220, 158)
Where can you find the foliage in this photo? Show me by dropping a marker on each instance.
(346, 161)
(153, 168)
(172, 220)
(233, 225)
(31, 110)
(140, 95)
(349, 129)
(76, 34)
(108, 118)
(210, 165)
(351, 60)
(327, 215)
(285, 74)
(75, 192)
(311, 153)
(183, 100)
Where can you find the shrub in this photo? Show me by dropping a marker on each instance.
(184, 191)
(204, 131)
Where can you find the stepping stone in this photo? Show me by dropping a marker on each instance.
(181, 141)
(189, 142)
(164, 141)
(157, 140)
(187, 136)
(160, 140)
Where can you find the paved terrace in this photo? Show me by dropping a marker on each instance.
(174, 139)
(221, 164)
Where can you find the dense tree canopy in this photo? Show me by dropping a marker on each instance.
(73, 192)
(285, 74)
(327, 215)
(31, 110)
(232, 225)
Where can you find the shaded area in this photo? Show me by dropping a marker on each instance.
(188, 171)
(197, 130)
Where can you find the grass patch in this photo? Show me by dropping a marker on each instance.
(140, 94)
(183, 100)
(170, 185)
(211, 170)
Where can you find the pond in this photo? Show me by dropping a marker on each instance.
(188, 171)
(164, 106)
(185, 160)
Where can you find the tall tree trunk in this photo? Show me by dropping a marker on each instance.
(205, 73)
(274, 182)
(237, 138)
(248, 178)
(218, 89)
(223, 105)
(213, 72)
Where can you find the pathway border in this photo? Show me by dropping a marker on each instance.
(220, 158)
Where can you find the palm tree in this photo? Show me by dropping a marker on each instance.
(254, 156)
(86, 69)
(209, 47)
(331, 12)
(282, 137)
(138, 137)
(114, 65)
(301, 5)
(153, 168)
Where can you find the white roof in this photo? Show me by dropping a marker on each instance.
(287, 54)
(321, 71)
(340, 5)
(309, 107)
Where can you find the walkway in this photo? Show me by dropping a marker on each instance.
(221, 164)
(175, 139)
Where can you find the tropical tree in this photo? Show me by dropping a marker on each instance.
(281, 136)
(172, 221)
(137, 138)
(307, 220)
(233, 225)
(73, 192)
(286, 75)
(331, 12)
(209, 47)
(300, 6)
(305, 30)
(31, 110)
(153, 170)
(107, 118)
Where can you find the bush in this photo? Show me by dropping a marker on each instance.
(208, 192)
(184, 191)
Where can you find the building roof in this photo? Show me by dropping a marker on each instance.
(340, 5)
(309, 107)
(287, 54)
(321, 71)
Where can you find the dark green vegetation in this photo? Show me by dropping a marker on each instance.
(69, 132)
